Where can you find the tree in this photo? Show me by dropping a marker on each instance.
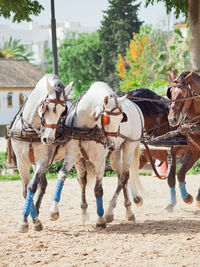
(79, 60)
(20, 10)
(13, 49)
(116, 31)
(174, 57)
(191, 10)
(135, 69)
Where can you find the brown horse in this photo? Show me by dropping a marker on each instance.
(184, 94)
(156, 123)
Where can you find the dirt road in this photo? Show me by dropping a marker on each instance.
(158, 238)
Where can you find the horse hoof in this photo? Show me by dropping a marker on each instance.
(198, 203)
(170, 208)
(37, 226)
(101, 225)
(138, 201)
(188, 200)
(131, 218)
(109, 218)
(23, 227)
(54, 216)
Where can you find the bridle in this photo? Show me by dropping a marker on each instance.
(44, 104)
(105, 118)
(187, 95)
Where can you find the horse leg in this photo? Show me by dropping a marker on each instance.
(37, 226)
(130, 151)
(172, 182)
(190, 158)
(82, 179)
(127, 203)
(98, 190)
(115, 162)
(68, 163)
(29, 207)
(24, 171)
(116, 166)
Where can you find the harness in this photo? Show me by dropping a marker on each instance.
(28, 133)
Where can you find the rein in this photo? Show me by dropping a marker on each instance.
(163, 100)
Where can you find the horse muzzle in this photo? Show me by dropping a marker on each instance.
(47, 140)
(175, 120)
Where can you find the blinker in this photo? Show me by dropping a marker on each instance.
(105, 120)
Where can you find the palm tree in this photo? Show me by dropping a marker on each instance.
(13, 49)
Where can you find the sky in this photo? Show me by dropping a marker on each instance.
(90, 13)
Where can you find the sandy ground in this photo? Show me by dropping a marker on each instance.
(158, 238)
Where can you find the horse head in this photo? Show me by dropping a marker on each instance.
(181, 94)
(51, 108)
(109, 117)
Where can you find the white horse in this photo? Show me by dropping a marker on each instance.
(38, 117)
(122, 124)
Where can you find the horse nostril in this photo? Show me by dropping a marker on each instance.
(44, 140)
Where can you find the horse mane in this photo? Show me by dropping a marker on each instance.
(195, 77)
(56, 84)
(149, 107)
(182, 76)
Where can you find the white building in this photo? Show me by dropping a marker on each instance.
(17, 79)
(38, 37)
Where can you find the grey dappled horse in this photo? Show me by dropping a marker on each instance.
(117, 117)
(38, 117)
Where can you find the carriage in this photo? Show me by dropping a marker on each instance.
(99, 123)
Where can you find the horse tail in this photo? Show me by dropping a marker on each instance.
(90, 176)
(134, 180)
(86, 173)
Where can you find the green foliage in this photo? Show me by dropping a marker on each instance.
(3, 163)
(174, 5)
(175, 56)
(79, 60)
(55, 167)
(14, 49)
(9, 177)
(20, 10)
(150, 57)
(118, 24)
(135, 70)
(195, 169)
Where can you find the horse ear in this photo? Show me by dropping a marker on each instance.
(121, 99)
(106, 99)
(169, 93)
(172, 75)
(49, 88)
(68, 88)
(188, 77)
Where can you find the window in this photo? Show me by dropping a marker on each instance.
(21, 99)
(10, 100)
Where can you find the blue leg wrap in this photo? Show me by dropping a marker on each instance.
(28, 203)
(184, 193)
(33, 211)
(100, 210)
(173, 196)
(57, 193)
